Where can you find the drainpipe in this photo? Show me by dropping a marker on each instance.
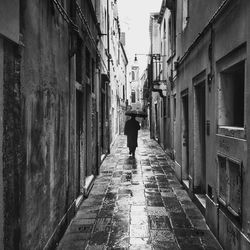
(69, 120)
(107, 88)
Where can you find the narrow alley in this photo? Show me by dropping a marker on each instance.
(138, 204)
(79, 79)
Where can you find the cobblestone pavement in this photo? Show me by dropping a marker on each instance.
(138, 204)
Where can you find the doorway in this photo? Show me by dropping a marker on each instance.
(89, 139)
(185, 139)
(200, 138)
(79, 131)
(156, 123)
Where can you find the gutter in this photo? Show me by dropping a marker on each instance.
(206, 28)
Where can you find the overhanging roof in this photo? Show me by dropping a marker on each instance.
(166, 4)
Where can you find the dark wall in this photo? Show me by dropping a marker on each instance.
(41, 175)
(13, 146)
(48, 179)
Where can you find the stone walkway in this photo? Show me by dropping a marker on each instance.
(138, 204)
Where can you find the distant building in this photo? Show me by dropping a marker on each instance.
(118, 74)
(135, 87)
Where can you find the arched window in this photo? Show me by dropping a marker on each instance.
(133, 96)
(164, 29)
(133, 75)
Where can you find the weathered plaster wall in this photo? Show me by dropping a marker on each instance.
(231, 26)
(197, 19)
(49, 177)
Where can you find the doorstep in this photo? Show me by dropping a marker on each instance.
(89, 182)
(200, 201)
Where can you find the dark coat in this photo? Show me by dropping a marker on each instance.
(131, 130)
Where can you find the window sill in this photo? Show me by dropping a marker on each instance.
(237, 132)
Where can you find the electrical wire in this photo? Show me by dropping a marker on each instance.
(64, 14)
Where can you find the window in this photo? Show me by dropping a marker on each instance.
(230, 189)
(133, 96)
(169, 37)
(79, 65)
(133, 75)
(174, 107)
(168, 106)
(164, 106)
(87, 63)
(93, 75)
(185, 16)
(173, 32)
(231, 96)
(164, 29)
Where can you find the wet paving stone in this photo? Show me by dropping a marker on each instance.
(99, 238)
(140, 243)
(116, 243)
(209, 242)
(163, 184)
(150, 185)
(164, 235)
(172, 204)
(158, 172)
(117, 174)
(149, 179)
(179, 220)
(154, 202)
(139, 230)
(138, 204)
(158, 211)
(139, 219)
(159, 222)
(105, 213)
(161, 178)
(167, 193)
(158, 245)
(72, 244)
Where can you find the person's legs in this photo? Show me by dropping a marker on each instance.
(133, 152)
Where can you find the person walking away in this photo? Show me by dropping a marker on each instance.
(131, 130)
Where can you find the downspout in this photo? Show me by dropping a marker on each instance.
(107, 86)
(151, 82)
(69, 116)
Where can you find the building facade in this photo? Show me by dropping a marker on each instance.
(208, 70)
(123, 99)
(55, 78)
(135, 86)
